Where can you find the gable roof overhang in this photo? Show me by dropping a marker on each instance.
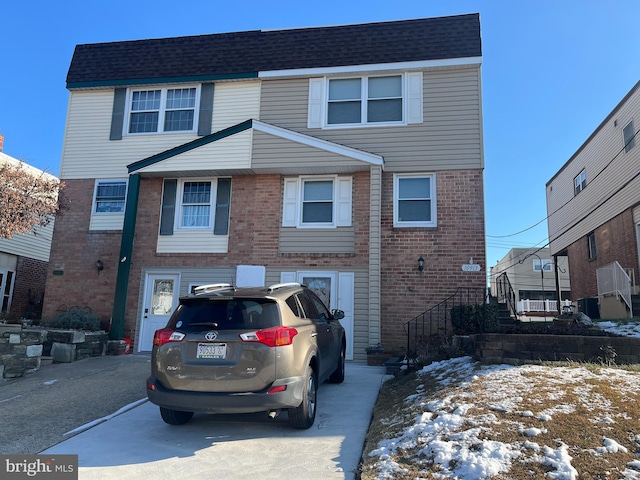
(230, 152)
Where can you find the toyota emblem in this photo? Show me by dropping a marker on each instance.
(211, 336)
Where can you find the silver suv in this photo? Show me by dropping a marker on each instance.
(242, 350)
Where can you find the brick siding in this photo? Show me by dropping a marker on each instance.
(458, 236)
(615, 241)
(28, 289)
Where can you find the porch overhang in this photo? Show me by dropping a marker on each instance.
(252, 148)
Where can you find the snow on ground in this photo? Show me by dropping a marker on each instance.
(450, 429)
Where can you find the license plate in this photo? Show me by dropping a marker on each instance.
(212, 350)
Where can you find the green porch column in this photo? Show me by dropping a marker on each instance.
(124, 263)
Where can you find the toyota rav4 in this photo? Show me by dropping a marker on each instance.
(242, 350)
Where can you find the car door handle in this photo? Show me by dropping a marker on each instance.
(314, 334)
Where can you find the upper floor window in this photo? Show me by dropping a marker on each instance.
(580, 182)
(629, 136)
(162, 110)
(315, 201)
(365, 100)
(414, 201)
(547, 265)
(110, 196)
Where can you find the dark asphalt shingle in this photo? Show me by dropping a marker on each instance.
(253, 51)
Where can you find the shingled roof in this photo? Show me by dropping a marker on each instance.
(244, 54)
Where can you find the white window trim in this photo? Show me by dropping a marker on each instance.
(94, 205)
(545, 262)
(578, 186)
(163, 100)
(342, 201)
(628, 146)
(412, 101)
(396, 191)
(212, 203)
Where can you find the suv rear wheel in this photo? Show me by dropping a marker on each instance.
(175, 417)
(304, 415)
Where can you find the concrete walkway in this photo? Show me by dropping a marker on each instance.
(137, 444)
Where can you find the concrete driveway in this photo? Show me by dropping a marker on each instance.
(138, 444)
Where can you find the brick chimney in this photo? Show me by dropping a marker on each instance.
(1, 141)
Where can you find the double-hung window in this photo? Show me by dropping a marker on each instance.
(547, 265)
(579, 182)
(195, 205)
(365, 100)
(318, 202)
(414, 200)
(591, 246)
(629, 136)
(110, 196)
(162, 110)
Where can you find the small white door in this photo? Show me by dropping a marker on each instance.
(160, 300)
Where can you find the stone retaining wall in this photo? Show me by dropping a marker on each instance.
(527, 348)
(22, 349)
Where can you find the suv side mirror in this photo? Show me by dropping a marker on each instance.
(337, 314)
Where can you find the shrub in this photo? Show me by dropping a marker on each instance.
(76, 320)
(470, 319)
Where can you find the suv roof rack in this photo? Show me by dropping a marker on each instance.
(212, 288)
(277, 286)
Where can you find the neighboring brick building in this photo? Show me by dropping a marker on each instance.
(24, 259)
(333, 156)
(593, 205)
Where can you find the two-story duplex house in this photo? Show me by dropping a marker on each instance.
(593, 209)
(334, 156)
(530, 272)
(24, 259)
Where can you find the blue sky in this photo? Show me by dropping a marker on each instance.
(552, 71)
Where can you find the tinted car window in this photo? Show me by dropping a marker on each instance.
(323, 312)
(237, 314)
(308, 307)
(293, 305)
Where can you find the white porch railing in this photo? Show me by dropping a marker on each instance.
(525, 306)
(613, 279)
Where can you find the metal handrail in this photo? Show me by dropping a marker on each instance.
(613, 279)
(436, 321)
(505, 294)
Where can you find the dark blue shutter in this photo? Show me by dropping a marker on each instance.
(167, 214)
(117, 116)
(206, 109)
(223, 200)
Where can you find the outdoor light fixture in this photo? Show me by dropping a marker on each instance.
(421, 264)
(99, 265)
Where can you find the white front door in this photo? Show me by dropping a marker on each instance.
(336, 290)
(160, 300)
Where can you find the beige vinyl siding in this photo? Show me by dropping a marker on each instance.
(271, 152)
(113, 221)
(360, 303)
(229, 153)
(449, 138)
(36, 246)
(88, 152)
(375, 252)
(607, 169)
(234, 103)
(192, 241)
(317, 240)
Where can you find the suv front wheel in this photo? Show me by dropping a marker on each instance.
(304, 415)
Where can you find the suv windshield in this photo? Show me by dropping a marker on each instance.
(224, 314)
